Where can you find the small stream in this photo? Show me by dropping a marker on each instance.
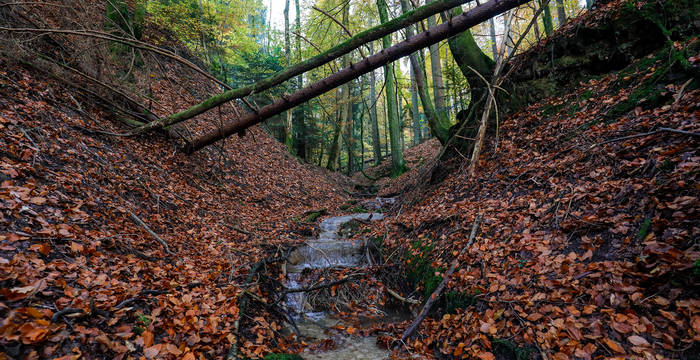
(329, 250)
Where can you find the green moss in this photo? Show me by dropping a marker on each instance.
(644, 229)
(549, 109)
(457, 300)
(504, 348)
(421, 272)
(313, 216)
(358, 209)
(283, 357)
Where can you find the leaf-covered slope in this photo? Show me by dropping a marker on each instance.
(588, 247)
(68, 239)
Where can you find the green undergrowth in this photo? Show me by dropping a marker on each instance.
(125, 22)
(507, 349)
(421, 273)
(283, 357)
(668, 65)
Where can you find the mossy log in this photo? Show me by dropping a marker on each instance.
(335, 52)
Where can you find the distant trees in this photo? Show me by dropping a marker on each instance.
(398, 164)
(325, 129)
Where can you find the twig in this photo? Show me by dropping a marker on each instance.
(659, 130)
(67, 311)
(322, 285)
(401, 298)
(142, 293)
(138, 220)
(445, 280)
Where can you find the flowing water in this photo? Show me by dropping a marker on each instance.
(329, 250)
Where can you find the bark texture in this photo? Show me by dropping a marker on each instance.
(335, 52)
(452, 27)
(397, 163)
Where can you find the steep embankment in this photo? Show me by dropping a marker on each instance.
(79, 275)
(588, 247)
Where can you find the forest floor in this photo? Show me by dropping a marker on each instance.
(587, 248)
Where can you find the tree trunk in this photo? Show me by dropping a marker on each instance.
(438, 122)
(334, 150)
(344, 100)
(470, 58)
(397, 163)
(436, 71)
(546, 17)
(492, 33)
(561, 13)
(349, 130)
(335, 52)
(288, 140)
(376, 144)
(443, 31)
(414, 109)
(300, 118)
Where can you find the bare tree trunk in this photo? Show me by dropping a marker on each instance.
(376, 145)
(300, 120)
(492, 33)
(344, 97)
(397, 163)
(436, 71)
(414, 109)
(439, 125)
(337, 51)
(454, 26)
(561, 13)
(288, 140)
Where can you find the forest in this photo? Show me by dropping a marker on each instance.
(349, 179)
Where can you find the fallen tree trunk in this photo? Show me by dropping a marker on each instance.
(450, 28)
(335, 52)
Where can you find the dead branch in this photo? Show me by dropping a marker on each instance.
(322, 285)
(445, 280)
(136, 298)
(65, 312)
(657, 131)
(401, 298)
(138, 221)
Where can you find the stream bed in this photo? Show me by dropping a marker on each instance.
(329, 250)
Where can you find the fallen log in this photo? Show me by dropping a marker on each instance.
(443, 31)
(335, 52)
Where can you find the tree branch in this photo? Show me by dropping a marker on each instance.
(445, 280)
(443, 31)
(335, 52)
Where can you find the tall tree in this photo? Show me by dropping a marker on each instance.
(438, 122)
(300, 118)
(436, 70)
(350, 127)
(397, 163)
(414, 109)
(451, 28)
(288, 141)
(546, 17)
(344, 101)
(561, 13)
(492, 33)
(372, 109)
